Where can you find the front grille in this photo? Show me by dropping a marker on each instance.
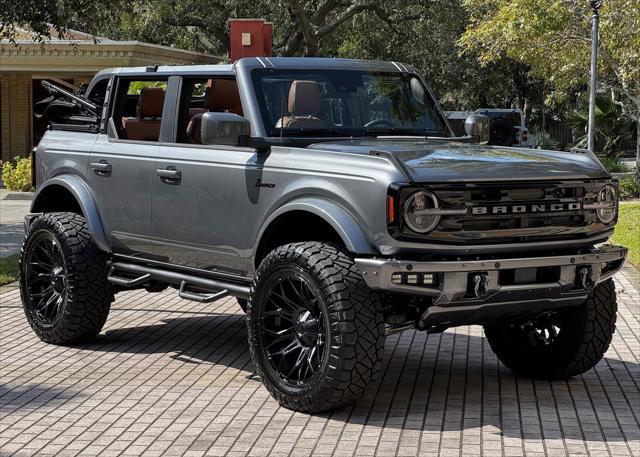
(515, 213)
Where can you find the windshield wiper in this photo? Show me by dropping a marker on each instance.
(288, 131)
(382, 131)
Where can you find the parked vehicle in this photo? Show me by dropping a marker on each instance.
(506, 126)
(332, 199)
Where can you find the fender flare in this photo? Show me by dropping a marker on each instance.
(336, 216)
(84, 196)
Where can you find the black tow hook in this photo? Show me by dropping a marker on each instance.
(480, 281)
(584, 277)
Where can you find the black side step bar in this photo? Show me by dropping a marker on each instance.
(202, 298)
(219, 288)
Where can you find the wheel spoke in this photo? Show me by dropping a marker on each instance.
(284, 352)
(50, 257)
(286, 301)
(50, 300)
(45, 277)
(43, 294)
(279, 312)
(299, 361)
(310, 355)
(34, 267)
(279, 333)
(303, 300)
(41, 260)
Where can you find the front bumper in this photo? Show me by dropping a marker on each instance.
(474, 291)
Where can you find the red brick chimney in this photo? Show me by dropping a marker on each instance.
(250, 38)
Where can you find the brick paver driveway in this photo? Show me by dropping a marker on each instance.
(171, 377)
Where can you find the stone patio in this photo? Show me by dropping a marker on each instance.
(173, 377)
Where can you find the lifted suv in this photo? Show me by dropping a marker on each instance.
(331, 198)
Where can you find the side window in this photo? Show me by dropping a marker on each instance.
(203, 95)
(137, 111)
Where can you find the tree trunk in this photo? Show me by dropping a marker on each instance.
(638, 150)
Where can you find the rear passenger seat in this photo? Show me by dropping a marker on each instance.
(146, 125)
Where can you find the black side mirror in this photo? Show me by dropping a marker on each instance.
(224, 128)
(477, 127)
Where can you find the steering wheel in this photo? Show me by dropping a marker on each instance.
(380, 123)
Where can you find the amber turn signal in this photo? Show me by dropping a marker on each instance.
(391, 210)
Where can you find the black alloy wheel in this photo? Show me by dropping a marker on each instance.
(541, 331)
(45, 278)
(316, 331)
(63, 279)
(292, 327)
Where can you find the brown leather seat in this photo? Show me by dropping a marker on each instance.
(221, 95)
(146, 126)
(304, 101)
(224, 96)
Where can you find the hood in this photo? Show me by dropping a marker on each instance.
(441, 161)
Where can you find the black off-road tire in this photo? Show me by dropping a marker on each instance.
(583, 339)
(355, 334)
(87, 294)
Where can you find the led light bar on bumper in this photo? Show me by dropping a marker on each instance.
(413, 279)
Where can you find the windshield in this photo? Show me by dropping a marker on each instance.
(345, 103)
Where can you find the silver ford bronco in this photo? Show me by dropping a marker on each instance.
(331, 198)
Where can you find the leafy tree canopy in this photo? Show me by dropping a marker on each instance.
(554, 38)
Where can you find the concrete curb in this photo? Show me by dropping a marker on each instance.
(19, 196)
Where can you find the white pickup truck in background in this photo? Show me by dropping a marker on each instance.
(507, 127)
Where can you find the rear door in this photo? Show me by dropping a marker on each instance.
(199, 194)
(121, 170)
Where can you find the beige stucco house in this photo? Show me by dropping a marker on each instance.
(70, 61)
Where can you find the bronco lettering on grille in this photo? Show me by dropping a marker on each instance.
(530, 208)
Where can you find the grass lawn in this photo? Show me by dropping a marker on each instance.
(8, 269)
(628, 230)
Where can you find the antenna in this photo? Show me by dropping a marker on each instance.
(282, 117)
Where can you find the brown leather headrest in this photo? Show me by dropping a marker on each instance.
(223, 95)
(150, 102)
(304, 98)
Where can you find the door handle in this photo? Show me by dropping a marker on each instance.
(102, 168)
(170, 175)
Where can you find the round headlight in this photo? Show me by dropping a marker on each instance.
(418, 209)
(607, 202)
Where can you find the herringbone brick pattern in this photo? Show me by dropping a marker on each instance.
(172, 377)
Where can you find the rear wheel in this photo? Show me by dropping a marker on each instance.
(63, 280)
(316, 332)
(560, 343)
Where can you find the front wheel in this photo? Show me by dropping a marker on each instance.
(561, 343)
(316, 332)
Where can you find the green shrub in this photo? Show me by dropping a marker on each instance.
(546, 141)
(613, 164)
(17, 177)
(629, 187)
(8, 269)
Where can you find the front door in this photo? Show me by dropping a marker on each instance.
(198, 208)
